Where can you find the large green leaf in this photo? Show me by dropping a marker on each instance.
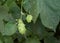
(32, 7)
(10, 29)
(49, 13)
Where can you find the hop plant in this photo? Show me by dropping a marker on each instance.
(21, 27)
(29, 18)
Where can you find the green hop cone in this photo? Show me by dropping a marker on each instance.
(29, 18)
(21, 27)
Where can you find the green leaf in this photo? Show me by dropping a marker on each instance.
(15, 10)
(50, 39)
(9, 2)
(58, 14)
(4, 16)
(10, 29)
(1, 38)
(32, 7)
(4, 13)
(8, 40)
(32, 40)
(2, 2)
(1, 25)
(48, 13)
(1, 41)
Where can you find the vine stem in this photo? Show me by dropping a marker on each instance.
(21, 8)
(25, 37)
(21, 17)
